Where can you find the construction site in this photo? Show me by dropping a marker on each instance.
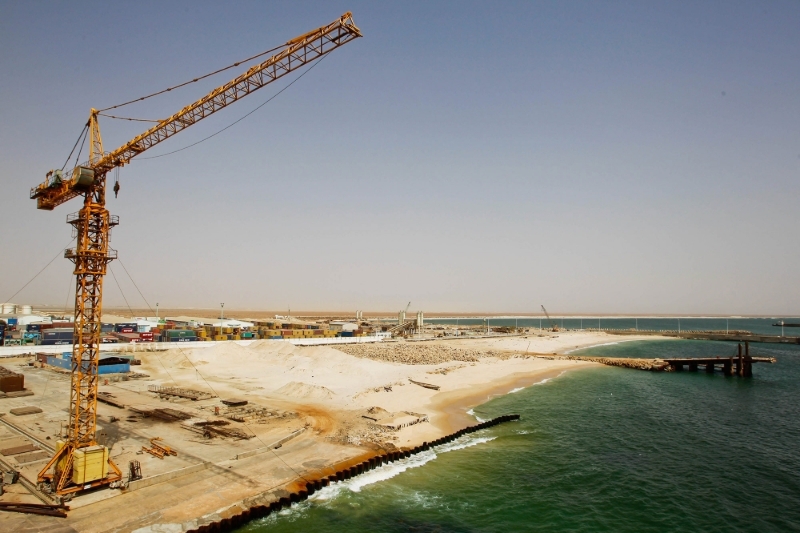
(125, 423)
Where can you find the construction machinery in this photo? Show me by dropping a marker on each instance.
(553, 325)
(79, 462)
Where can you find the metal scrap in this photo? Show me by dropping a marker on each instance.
(134, 471)
(218, 428)
(157, 443)
(109, 398)
(35, 508)
(167, 414)
(191, 394)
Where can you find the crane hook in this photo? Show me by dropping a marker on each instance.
(116, 182)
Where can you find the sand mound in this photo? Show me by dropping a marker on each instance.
(298, 389)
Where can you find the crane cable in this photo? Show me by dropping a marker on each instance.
(192, 81)
(59, 254)
(83, 136)
(129, 118)
(242, 118)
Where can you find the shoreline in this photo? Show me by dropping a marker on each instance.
(453, 407)
(326, 391)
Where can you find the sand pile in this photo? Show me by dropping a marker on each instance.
(296, 389)
(417, 354)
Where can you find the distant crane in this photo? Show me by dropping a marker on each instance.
(67, 472)
(553, 325)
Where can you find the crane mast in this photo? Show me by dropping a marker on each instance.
(92, 227)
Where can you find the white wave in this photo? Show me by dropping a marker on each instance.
(512, 391)
(388, 471)
(463, 442)
(602, 344)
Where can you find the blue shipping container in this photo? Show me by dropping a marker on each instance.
(66, 363)
(11, 321)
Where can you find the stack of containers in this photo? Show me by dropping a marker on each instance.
(57, 336)
(178, 335)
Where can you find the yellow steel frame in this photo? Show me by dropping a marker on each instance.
(92, 227)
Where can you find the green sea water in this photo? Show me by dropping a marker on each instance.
(600, 449)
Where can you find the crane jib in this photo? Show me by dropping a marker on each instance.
(295, 54)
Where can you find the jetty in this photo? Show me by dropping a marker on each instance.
(739, 365)
(743, 363)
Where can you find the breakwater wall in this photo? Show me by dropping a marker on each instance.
(734, 336)
(653, 365)
(312, 486)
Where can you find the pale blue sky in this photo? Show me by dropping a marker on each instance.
(638, 157)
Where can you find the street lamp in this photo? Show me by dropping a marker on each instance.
(221, 311)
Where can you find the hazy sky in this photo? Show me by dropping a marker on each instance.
(467, 156)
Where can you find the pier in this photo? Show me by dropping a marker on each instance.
(742, 362)
(739, 365)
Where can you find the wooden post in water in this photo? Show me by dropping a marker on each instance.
(709, 368)
(739, 366)
(728, 367)
(693, 366)
(739, 363)
(748, 362)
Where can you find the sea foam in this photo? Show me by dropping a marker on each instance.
(388, 471)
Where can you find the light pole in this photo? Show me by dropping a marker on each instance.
(221, 311)
(156, 311)
(679, 325)
(637, 323)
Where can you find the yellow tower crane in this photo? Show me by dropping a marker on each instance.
(79, 462)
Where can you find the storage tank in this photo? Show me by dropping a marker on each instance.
(24, 310)
(9, 308)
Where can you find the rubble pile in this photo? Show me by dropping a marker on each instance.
(418, 354)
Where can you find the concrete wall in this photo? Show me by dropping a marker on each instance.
(12, 351)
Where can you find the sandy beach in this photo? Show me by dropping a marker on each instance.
(341, 384)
